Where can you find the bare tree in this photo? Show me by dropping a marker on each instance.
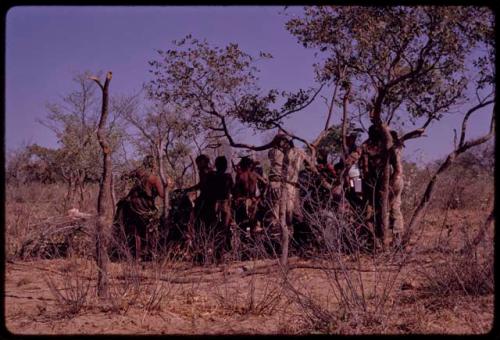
(104, 209)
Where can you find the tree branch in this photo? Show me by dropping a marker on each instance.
(466, 118)
(287, 113)
(344, 124)
(418, 213)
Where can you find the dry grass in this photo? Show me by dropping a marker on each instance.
(333, 292)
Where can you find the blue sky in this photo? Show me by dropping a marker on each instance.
(47, 46)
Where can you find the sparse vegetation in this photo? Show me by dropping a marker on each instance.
(388, 67)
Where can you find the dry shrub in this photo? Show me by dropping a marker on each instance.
(206, 245)
(464, 267)
(460, 273)
(359, 282)
(160, 287)
(72, 290)
(34, 213)
(146, 285)
(259, 295)
(252, 289)
(125, 281)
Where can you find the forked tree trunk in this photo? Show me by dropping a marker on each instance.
(104, 209)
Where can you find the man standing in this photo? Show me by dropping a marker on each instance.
(220, 186)
(282, 195)
(372, 166)
(278, 176)
(204, 212)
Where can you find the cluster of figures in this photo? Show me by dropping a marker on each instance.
(253, 208)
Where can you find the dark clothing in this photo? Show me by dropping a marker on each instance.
(212, 213)
(177, 224)
(372, 166)
(204, 205)
(220, 186)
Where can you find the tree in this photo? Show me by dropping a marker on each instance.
(33, 163)
(402, 64)
(104, 209)
(74, 120)
(219, 86)
(14, 165)
(164, 133)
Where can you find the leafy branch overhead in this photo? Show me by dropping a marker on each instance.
(400, 59)
(220, 85)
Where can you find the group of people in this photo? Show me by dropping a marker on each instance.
(254, 207)
(352, 190)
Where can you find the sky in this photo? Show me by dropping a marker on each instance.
(47, 46)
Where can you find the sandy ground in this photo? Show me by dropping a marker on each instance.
(227, 300)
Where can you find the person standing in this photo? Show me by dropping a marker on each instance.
(136, 215)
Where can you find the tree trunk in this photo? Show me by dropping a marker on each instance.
(69, 195)
(113, 193)
(396, 219)
(104, 210)
(285, 235)
(81, 184)
(330, 108)
(163, 179)
(345, 150)
(385, 197)
(375, 116)
(386, 175)
(195, 169)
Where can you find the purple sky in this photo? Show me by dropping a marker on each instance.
(47, 46)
